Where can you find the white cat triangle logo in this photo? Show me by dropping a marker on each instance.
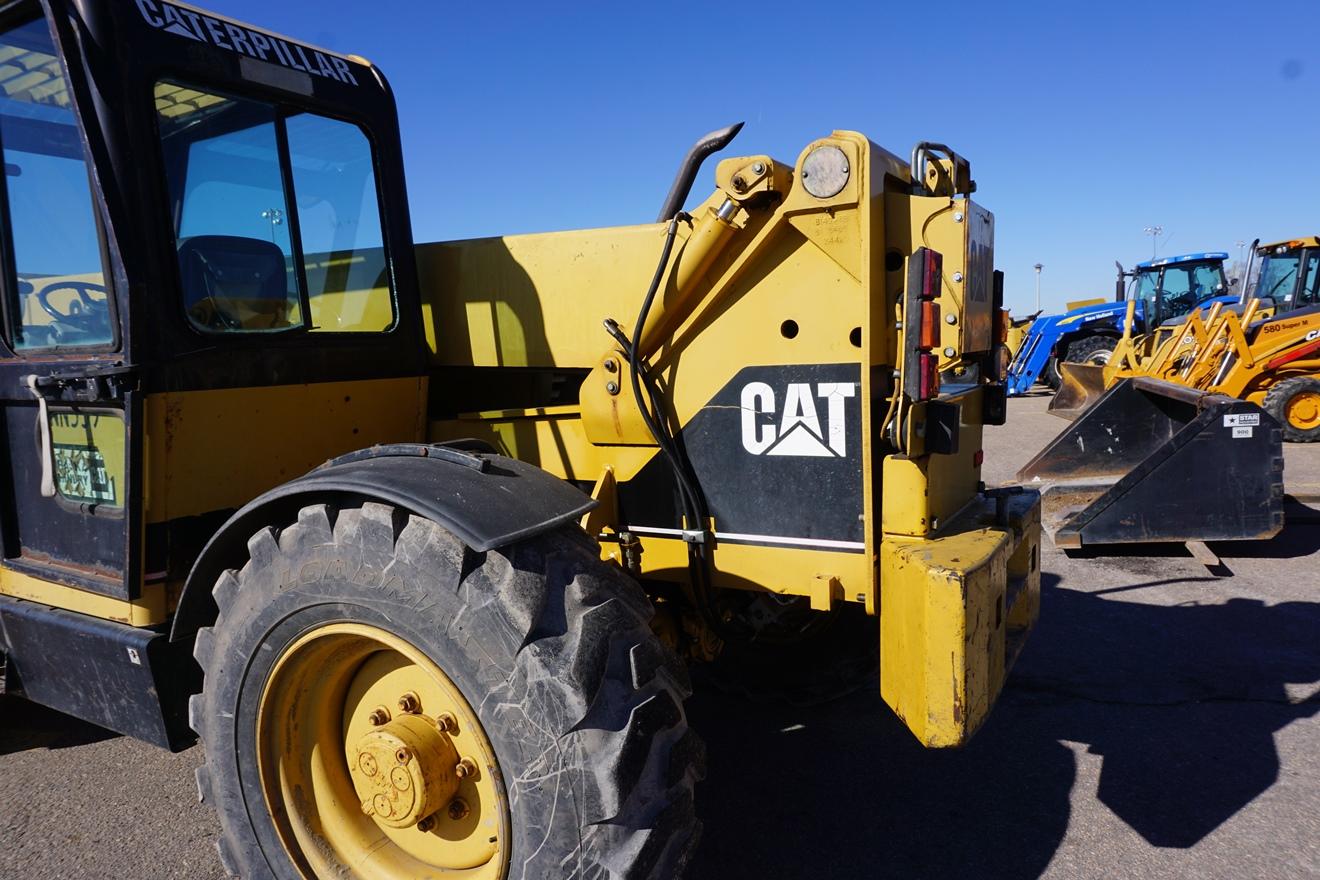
(800, 441)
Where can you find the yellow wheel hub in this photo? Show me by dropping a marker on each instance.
(405, 771)
(1303, 410)
(373, 764)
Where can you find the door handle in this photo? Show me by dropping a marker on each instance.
(87, 385)
(43, 434)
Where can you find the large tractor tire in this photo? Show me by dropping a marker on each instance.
(1094, 350)
(1050, 375)
(382, 702)
(1295, 405)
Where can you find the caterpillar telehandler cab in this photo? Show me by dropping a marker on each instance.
(443, 543)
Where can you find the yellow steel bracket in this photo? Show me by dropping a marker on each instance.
(1226, 339)
(1124, 356)
(954, 611)
(1184, 340)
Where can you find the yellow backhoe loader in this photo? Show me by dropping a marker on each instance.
(1288, 280)
(443, 525)
(1185, 442)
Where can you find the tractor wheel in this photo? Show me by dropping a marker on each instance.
(382, 702)
(1295, 405)
(1051, 375)
(1092, 350)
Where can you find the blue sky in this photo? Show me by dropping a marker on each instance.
(1084, 123)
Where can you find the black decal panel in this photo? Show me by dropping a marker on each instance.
(778, 454)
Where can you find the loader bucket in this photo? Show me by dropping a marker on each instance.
(1155, 461)
(1081, 386)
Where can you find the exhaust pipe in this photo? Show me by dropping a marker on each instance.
(687, 172)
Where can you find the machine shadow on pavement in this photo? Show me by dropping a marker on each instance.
(1181, 703)
(25, 726)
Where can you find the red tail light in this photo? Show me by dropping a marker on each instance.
(928, 368)
(921, 325)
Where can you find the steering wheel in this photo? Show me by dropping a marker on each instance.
(1181, 303)
(85, 315)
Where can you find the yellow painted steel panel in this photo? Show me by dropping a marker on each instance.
(217, 450)
(149, 610)
(941, 643)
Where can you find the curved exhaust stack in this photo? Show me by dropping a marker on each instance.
(687, 172)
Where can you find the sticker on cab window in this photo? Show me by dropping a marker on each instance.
(88, 450)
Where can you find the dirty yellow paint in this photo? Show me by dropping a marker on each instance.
(149, 610)
(218, 450)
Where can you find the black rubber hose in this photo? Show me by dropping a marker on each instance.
(652, 411)
(654, 420)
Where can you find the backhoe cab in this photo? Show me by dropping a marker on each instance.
(442, 542)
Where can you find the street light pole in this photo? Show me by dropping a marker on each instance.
(1154, 232)
(1039, 266)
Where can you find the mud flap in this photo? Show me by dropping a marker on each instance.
(1081, 385)
(1154, 461)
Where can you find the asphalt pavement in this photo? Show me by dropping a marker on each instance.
(1161, 723)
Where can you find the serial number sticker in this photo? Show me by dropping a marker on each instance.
(1240, 433)
(88, 453)
(1234, 420)
(81, 475)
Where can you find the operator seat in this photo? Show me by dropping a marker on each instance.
(236, 283)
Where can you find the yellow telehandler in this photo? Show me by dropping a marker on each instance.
(443, 525)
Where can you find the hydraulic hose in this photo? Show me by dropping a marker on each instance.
(650, 404)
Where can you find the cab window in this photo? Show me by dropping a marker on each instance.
(1176, 290)
(276, 217)
(1207, 282)
(1310, 293)
(57, 294)
(1278, 276)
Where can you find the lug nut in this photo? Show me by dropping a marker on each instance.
(612, 387)
(447, 722)
(426, 823)
(466, 767)
(378, 716)
(458, 808)
(410, 704)
(403, 755)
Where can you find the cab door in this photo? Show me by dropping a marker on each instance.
(68, 394)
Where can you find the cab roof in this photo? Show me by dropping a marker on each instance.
(1289, 244)
(1183, 258)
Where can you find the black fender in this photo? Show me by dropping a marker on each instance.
(486, 500)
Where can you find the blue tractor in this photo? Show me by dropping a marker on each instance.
(1164, 289)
